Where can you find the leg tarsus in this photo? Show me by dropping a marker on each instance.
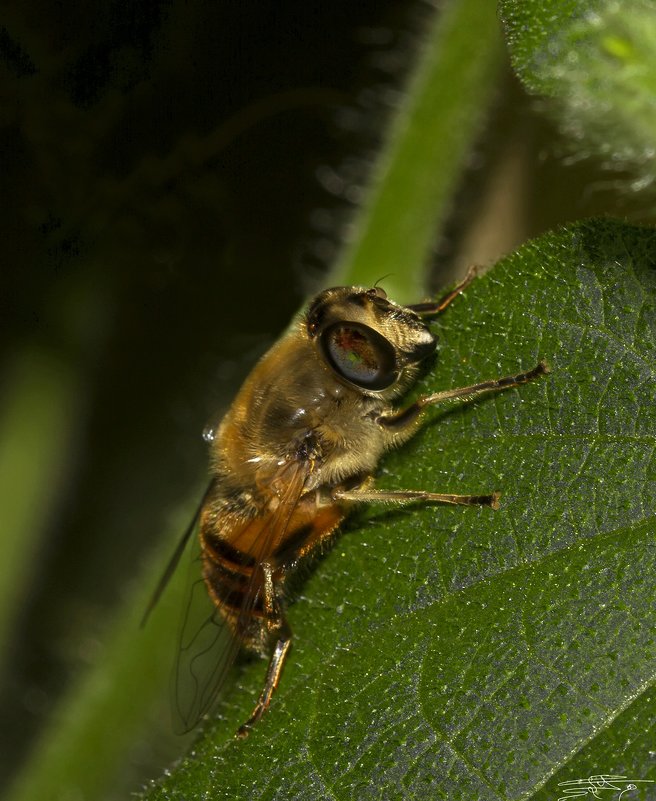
(431, 308)
(272, 676)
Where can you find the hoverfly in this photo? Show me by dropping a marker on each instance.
(297, 450)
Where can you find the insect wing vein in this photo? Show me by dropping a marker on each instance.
(207, 649)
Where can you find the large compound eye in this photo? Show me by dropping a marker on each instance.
(360, 355)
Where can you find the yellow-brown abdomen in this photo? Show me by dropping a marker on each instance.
(233, 552)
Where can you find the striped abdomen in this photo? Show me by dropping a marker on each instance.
(234, 549)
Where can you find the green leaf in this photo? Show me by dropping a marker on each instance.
(597, 62)
(459, 653)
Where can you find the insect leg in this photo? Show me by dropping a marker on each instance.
(275, 621)
(432, 308)
(403, 420)
(409, 496)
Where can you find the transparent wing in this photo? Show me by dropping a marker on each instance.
(205, 652)
(208, 645)
(173, 562)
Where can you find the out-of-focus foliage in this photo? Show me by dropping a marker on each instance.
(596, 61)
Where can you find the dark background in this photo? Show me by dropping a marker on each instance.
(176, 178)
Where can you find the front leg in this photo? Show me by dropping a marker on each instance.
(403, 421)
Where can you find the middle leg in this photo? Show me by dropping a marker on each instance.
(401, 497)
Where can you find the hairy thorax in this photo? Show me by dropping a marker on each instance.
(251, 447)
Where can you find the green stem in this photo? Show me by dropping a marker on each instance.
(430, 139)
(87, 742)
(37, 421)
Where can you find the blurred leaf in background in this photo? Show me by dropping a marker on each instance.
(594, 60)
